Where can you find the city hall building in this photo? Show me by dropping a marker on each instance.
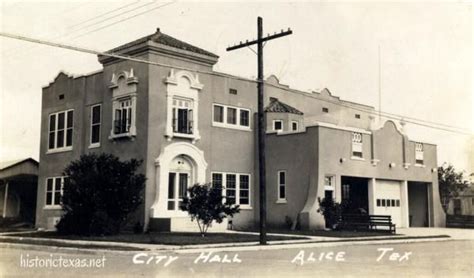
(190, 124)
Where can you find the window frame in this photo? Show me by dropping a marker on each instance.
(53, 192)
(238, 115)
(278, 130)
(332, 186)
(130, 115)
(357, 145)
(65, 129)
(419, 153)
(297, 126)
(189, 116)
(92, 124)
(237, 189)
(282, 185)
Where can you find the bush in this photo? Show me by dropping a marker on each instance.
(205, 205)
(100, 194)
(332, 211)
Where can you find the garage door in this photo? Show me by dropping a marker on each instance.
(388, 199)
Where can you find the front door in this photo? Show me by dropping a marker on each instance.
(177, 187)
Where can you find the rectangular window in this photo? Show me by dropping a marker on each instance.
(123, 116)
(379, 203)
(418, 153)
(218, 113)
(244, 117)
(182, 116)
(230, 188)
(171, 193)
(329, 186)
(398, 203)
(325, 110)
(357, 116)
(294, 126)
(232, 91)
(60, 130)
(244, 190)
(54, 190)
(231, 116)
(277, 125)
(281, 185)
(357, 144)
(96, 116)
(383, 202)
(236, 187)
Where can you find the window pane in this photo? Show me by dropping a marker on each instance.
(244, 118)
(282, 192)
(277, 125)
(60, 142)
(170, 205)
(57, 198)
(49, 185)
(294, 126)
(51, 140)
(230, 188)
(244, 182)
(231, 115)
(61, 120)
(217, 179)
(183, 185)
(171, 181)
(49, 198)
(69, 137)
(282, 179)
(218, 114)
(96, 114)
(95, 138)
(70, 118)
(230, 181)
(52, 122)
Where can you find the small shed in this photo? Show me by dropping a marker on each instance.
(18, 190)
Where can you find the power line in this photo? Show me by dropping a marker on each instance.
(127, 18)
(125, 57)
(114, 16)
(103, 14)
(103, 27)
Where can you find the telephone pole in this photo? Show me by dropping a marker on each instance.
(261, 118)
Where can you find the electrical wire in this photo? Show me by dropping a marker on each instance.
(130, 58)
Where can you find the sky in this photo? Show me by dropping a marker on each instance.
(425, 56)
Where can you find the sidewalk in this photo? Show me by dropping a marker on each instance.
(407, 235)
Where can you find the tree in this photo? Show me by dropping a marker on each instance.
(100, 194)
(451, 183)
(205, 204)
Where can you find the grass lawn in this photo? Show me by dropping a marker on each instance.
(329, 233)
(161, 238)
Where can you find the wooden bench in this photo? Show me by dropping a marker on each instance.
(367, 222)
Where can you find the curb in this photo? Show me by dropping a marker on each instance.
(223, 247)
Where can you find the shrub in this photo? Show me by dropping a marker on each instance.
(100, 194)
(332, 211)
(205, 205)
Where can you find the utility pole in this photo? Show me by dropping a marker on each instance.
(261, 119)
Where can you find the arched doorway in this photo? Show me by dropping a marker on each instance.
(179, 166)
(180, 177)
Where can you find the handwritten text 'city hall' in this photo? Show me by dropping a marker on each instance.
(384, 254)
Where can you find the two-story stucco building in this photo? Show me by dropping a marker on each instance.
(190, 124)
